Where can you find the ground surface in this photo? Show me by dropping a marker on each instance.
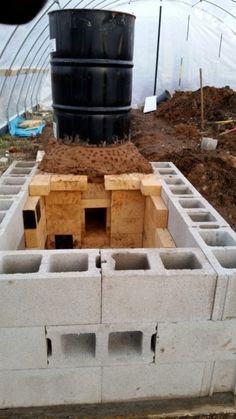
(172, 133)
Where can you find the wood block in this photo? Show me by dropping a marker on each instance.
(68, 183)
(64, 212)
(164, 239)
(127, 225)
(95, 203)
(32, 212)
(95, 239)
(40, 185)
(156, 212)
(61, 197)
(150, 186)
(36, 238)
(127, 181)
(127, 204)
(126, 240)
(96, 191)
(66, 227)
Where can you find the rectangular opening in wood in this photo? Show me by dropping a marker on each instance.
(95, 219)
(63, 241)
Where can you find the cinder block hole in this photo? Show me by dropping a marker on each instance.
(191, 203)
(162, 165)
(49, 347)
(21, 171)
(226, 258)
(5, 204)
(181, 190)
(208, 226)
(20, 264)
(174, 181)
(13, 181)
(217, 238)
(2, 216)
(95, 219)
(68, 262)
(125, 343)
(167, 172)
(98, 262)
(25, 164)
(63, 241)
(153, 342)
(131, 261)
(9, 190)
(180, 260)
(201, 217)
(80, 345)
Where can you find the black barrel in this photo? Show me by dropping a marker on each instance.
(91, 71)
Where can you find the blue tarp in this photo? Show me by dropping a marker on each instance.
(15, 131)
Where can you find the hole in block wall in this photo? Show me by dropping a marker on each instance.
(20, 264)
(131, 261)
(208, 226)
(25, 164)
(49, 347)
(20, 171)
(13, 181)
(181, 190)
(167, 172)
(95, 219)
(153, 342)
(5, 204)
(201, 217)
(9, 190)
(191, 203)
(180, 260)
(68, 262)
(174, 181)
(226, 258)
(98, 262)
(81, 345)
(217, 238)
(63, 241)
(125, 343)
(161, 165)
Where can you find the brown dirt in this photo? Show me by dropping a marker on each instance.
(213, 173)
(219, 104)
(93, 161)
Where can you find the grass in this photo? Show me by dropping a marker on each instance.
(14, 144)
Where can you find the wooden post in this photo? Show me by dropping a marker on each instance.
(202, 102)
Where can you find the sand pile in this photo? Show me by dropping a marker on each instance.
(93, 161)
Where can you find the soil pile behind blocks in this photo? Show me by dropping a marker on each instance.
(219, 104)
(93, 161)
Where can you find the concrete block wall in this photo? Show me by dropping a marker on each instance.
(89, 326)
(13, 195)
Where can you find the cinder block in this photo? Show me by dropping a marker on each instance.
(200, 341)
(143, 285)
(49, 288)
(30, 388)
(99, 345)
(122, 383)
(21, 168)
(22, 348)
(224, 377)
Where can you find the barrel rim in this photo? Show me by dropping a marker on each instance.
(92, 10)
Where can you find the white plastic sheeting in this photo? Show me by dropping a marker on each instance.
(193, 33)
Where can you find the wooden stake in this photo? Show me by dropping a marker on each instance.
(202, 102)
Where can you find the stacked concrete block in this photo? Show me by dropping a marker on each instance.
(156, 285)
(13, 195)
(43, 288)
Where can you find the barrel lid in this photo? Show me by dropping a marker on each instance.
(93, 11)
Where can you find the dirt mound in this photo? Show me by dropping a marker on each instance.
(93, 161)
(188, 131)
(219, 104)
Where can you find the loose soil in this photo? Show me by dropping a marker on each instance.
(93, 161)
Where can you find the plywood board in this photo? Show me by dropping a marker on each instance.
(127, 204)
(129, 181)
(126, 240)
(163, 238)
(60, 197)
